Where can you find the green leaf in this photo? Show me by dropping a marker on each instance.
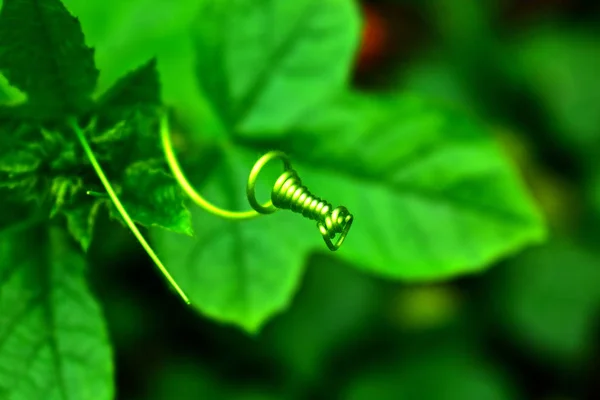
(559, 67)
(124, 136)
(10, 95)
(81, 220)
(264, 63)
(49, 167)
(43, 53)
(433, 195)
(238, 272)
(53, 340)
(39, 165)
(138, 89)
(125, 129)
(436, 78)
(548, 299)
(152, 198)
(46, 168)
(133, 160)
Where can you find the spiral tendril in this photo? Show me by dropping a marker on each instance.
(288, 193)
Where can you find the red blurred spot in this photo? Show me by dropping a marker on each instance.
(374, 38)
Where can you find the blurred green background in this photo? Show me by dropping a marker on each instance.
(525, 329)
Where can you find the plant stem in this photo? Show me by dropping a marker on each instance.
(121, 209)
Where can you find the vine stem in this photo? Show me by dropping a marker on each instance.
(185, 184)
(113, 196)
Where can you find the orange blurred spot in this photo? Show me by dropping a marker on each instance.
(374, 38)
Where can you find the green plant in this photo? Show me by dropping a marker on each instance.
(433, 195)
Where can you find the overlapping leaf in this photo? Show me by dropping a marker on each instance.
(432, 194)
(263, 63)
(237, 271)
(53, 340)
(43, 53)
(294, 55)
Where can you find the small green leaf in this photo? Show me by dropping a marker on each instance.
(125, 128)
(53, 340)
(153, 198)
(62, 190)
(432, 194)
(138, 89)
(19, 162)
(264, 63)
(238, 272)
(81, 220)
(40, 165)
(124, 137)
(43, 53)
(134, 163)
(10, 95)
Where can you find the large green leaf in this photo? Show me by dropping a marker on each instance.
(432, 193)
(237, 271)
(263, 63)
(433, 197)
(43, 53)
(53, 340)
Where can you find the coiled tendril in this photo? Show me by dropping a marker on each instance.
(288, 193)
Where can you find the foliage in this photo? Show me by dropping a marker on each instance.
(434, 195)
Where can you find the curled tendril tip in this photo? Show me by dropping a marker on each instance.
(287, 193)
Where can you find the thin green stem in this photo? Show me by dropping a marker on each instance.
(96, 194)
(121, 209)
(185, 184)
